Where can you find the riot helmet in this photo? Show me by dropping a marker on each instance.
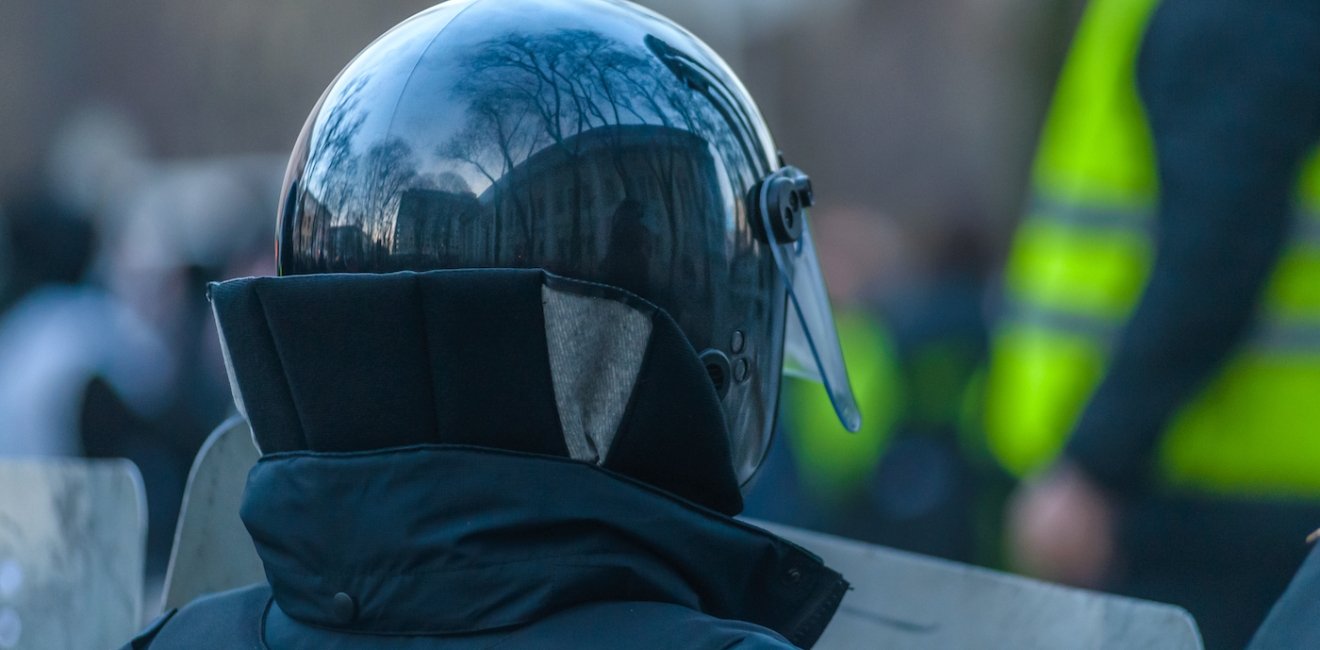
(595, 140)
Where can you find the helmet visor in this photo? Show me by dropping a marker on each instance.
(811, 341)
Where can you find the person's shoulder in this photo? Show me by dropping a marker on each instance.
(643, 625)
(229, 619)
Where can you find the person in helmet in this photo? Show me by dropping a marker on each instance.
(541, 269)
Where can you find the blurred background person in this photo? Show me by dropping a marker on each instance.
(1155, 373)
(914, 334)
(107, 348)
(59, 333)
(191, 222)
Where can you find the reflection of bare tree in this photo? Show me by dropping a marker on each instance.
(324, 192)
(527, 91)
(388, 169)
(332, 148)
(567, 90)
(354, 193)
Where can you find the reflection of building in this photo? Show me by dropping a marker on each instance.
(430, 222)
(658, 184)
(331, 248)
(657, 188)
(348, 248)
(311, 232)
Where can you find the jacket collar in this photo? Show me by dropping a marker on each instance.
(342, 363)
(429, 548)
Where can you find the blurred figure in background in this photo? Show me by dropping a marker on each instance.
(59, 334)
(813, 476)
(915, 340)
(1155, 376)
(194, 222)
(107, 347)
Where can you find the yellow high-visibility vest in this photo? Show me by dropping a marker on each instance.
(1079, 263)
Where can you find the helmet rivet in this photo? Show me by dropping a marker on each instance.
(717, 367)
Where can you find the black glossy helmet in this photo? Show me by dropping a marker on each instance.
(591, 138)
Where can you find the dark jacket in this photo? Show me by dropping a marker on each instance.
(416, 548)
(1232, 92)
(1294, 622)
(449, 544)
(1231, 89)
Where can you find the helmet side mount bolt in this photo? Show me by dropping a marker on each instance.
(785, 196)
(719, 369)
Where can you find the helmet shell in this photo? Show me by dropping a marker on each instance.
(591, 138)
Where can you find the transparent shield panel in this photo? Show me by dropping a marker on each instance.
(811, 342)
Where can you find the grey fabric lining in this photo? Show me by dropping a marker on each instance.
(596, 347)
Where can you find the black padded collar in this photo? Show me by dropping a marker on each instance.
(354, 362)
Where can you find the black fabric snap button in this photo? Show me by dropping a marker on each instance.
(345, 608)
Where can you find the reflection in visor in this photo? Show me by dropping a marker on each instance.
(811, 342)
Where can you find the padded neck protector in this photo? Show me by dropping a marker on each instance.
(355, 362)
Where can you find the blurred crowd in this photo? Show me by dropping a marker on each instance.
(107, 344)
(919, 118)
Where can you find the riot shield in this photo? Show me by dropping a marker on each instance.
(212, 551)
(904, 600)
(899, 600)
(72, 549)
